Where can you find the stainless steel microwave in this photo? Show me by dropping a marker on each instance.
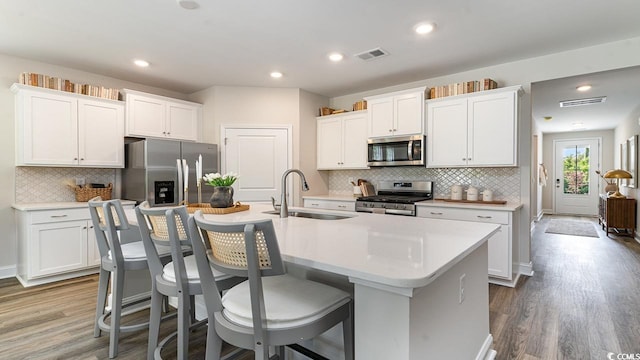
(397, 151)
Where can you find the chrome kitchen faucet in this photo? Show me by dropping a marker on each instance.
(284, 209)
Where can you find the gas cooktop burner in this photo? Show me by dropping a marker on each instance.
(396, 197)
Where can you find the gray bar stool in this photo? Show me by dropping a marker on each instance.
(116, 259)
(272, 308)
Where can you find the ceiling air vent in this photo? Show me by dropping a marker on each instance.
(372, 54)
(581, 102)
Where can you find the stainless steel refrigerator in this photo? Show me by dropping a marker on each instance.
(151, 171)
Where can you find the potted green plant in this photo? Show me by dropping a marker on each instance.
(222, 196)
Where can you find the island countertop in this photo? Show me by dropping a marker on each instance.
(397, 251)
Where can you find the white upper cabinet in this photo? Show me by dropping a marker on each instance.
(477, 129)
(151, 115)
(342, 141)
(395, 114)
(54, 128)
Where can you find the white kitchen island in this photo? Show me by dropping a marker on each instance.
(406, 274)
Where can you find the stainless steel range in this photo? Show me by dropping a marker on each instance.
(396, 197)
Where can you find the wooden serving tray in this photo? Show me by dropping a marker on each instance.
(207, 209)
(494, 202)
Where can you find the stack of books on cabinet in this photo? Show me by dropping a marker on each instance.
(462, 88)
(56, 83)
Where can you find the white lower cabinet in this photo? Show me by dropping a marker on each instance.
(55, 245)
(328, 204)
(502, 253)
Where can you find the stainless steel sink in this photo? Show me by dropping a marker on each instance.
(309, 215)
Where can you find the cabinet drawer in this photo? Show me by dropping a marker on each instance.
(489, 216)
(330, 204)
(48, 216)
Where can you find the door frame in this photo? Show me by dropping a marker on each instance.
(287, 127)
(555, 176)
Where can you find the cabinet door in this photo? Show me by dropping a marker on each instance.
(492, 130)
(100, 133)
(354, 137)
(50, 130)
(182, 121)
(500, 253)
(145, 116)
(408, 112)
(380, 112)
(57, 247)
(447, 133)
(329, 147)
(330, 204)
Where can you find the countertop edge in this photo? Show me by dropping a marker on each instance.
(478, 206)
(57, 205)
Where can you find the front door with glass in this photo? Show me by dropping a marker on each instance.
(575, 180)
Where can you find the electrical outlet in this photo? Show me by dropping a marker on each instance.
(80, 181)
(462, 283)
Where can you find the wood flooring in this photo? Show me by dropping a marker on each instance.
(582, 303)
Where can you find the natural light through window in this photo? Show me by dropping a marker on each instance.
(576, 170)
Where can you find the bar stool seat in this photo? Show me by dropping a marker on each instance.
(169, 272)
(289, 302)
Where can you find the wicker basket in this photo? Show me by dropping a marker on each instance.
(88, 193)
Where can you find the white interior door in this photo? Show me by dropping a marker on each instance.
(259, 155)
(575, 180)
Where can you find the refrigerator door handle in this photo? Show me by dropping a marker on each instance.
(180, 185)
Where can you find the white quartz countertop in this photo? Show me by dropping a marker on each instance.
(58, 205)
(463, 205)
(397, 251)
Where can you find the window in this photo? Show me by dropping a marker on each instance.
(576, 170)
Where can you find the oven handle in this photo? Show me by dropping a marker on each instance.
(399, 212)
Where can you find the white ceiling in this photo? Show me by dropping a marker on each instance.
(239, 43)
(622, 101)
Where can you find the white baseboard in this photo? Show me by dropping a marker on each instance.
(486, 351)
(8, 272)
(526, 269)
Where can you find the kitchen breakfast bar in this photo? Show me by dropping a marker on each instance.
(419, 285)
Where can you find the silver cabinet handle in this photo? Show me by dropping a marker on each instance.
(390, 130)
(342, 206)
(484, 217)
(58, 216)
(314, 204)
(436, 213)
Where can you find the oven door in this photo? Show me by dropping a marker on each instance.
(396, 151)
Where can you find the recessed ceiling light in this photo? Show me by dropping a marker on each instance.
(547, 118)
(276, 74)
(188, 4)
(335, 57)
(141, 63)
(424, 28)
(583, 87)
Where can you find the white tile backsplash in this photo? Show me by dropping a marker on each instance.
(505, 182)
(49, 184)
